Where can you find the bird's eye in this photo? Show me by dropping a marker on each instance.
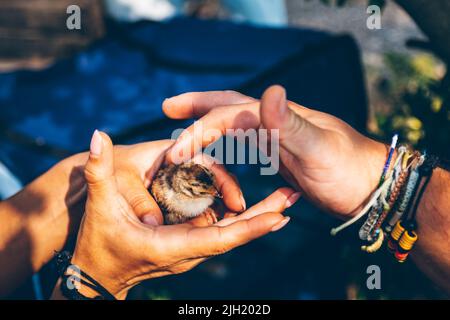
(204, 178)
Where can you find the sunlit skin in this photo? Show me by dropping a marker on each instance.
(336, 167)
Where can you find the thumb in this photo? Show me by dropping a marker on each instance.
(295, 133)
(99, 169)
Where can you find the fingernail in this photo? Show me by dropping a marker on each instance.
(244, 205)
(149, 220)
(292, 199)
(96, 144)
(175, 155)
(281, 224)
(282, 100)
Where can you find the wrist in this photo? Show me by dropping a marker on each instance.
(103, 273)
(374, 159)
(64, 284)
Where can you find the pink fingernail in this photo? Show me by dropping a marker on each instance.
(149, 220)
(244, 205)
(176, 155)
(292, 199)
(96, 144)
(282, 101)
(281, 224)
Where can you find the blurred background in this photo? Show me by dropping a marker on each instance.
(57, 85)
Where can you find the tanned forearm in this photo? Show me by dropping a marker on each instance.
(432, 251)
(38, 220)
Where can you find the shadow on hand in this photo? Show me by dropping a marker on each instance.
(18, 260)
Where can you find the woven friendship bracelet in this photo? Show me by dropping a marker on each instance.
(383, 184)
(396, 200)
(371, 229)
(392, 199)
(368, 231)
(405, 200)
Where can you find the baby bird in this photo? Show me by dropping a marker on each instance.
(184, 191)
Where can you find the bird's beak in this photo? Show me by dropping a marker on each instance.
(218, 195)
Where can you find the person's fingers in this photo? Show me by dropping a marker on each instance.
(229, 215)
(140, 163)
(146, 157)
(99, 169)
(296, 134)
(197, 104)
(278, 201)
(214, 240)
(136, 194)
(208, 218)
(211, 127)
(224, 182)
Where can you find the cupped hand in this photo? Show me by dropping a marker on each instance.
(134, 166)
(336, 167)
(119, 251)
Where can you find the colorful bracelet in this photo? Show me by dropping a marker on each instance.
(391, 210)
(404, 235)
(368, 231)
(384, 183)
(400, 181)
(374, 234)
(399, 207)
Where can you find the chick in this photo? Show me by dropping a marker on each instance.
(184, 192)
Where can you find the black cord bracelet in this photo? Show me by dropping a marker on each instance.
(63, 263)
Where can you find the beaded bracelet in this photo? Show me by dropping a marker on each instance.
(374, 234)
(400, 181)
(406, 198)
(404, 235)
(367, 231)
(397, 197)
(402, 204)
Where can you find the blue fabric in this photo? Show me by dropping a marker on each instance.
(9, 185)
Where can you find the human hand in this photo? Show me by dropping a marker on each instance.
(56, 201)
(119, 251)
(336, 167)
(133, 166)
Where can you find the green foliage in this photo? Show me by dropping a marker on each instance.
(152, 295)
(420, 102)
